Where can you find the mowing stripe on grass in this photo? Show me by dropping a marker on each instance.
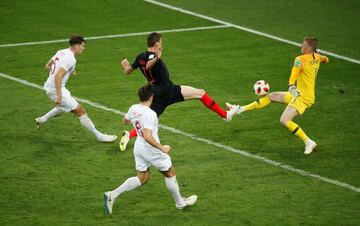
(117, 35)
(248, 30)
(204, 140)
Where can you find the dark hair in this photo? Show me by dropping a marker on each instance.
(145, 93)
(313, 42)
(153, 38)
(76, 39)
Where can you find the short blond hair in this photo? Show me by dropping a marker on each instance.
(313, 42)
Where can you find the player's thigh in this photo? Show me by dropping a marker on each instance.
(68, 103)
(51, 96)
(159, 160)
(141, 163)
(158, 107)
(189, 92)
(288, 115)
(280, 97)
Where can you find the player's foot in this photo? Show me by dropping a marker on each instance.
(309, 147)
(106, 138)
(231, 112)
(38, 123)
(189, 201)
(108, 203)
(231, 106)
(124, 140)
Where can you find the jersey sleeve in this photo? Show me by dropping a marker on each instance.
(295, 71)
(67, 63)
(128, 114)
(149, 123)
(297, 62)
(136, 63)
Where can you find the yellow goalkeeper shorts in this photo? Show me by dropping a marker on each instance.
(300, 104)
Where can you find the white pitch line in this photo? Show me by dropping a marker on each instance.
(117, 35)
(335, 55)
(206, 141)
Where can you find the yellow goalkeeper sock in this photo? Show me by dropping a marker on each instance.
(295, 129)
(261, 103)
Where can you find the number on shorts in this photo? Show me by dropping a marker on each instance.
(138, 129)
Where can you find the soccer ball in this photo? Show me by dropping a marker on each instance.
(261, 88)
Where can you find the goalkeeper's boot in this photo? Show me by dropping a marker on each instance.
(309, 147)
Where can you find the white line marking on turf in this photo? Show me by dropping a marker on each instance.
(204, 140)
(117, 35)
(247, 29)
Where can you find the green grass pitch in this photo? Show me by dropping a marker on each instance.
(57, 175)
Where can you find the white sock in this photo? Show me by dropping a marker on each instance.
(130, 184)
(173, 187)
(88, 124)
(53, 112)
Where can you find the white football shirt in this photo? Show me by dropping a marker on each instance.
(142, 117)
(62, 59)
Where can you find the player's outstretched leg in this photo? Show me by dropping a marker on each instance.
(89, 125)
(286, 120)
(56, 111)
(130, 184)
(279, 97)
(173, 187)
(190, 93)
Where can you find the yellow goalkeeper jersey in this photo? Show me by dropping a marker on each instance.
(303, 74)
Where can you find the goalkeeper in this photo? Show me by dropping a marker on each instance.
(301, 92)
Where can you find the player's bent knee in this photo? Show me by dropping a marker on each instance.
(79, 111)
(201, 92)
(283, 121)
(144, 181)
(272, 96)
(170, 173)
(144, 178)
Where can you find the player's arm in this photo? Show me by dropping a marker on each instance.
(295, 72)
(58, 80)
(49, 64)
(74, 72)
(127, 68)
(151, 140)
(151, 63)
(126, 121)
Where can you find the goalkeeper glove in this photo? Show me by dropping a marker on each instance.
(294, 91)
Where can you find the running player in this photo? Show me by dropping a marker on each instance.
(301, 92)
(165, 92)
(148, 151)
(61, 66)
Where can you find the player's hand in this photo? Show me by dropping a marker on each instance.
(125, 62)
(74, 72)
(294, 91)
(166, 149)
(58, 101)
